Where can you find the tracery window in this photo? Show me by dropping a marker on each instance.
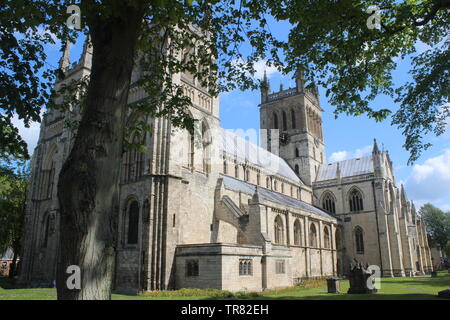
(356, 201)
(328, 203)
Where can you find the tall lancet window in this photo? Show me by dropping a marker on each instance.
(356, 201)
(133, 223)
(326, 238)
(284, 120)
(297, 233)
(206, 140)
(312, 236)
(359, 240)
(190, 150)
(275, 121)
(279, 230)
(294, 125)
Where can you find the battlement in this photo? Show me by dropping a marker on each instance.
(300, 89)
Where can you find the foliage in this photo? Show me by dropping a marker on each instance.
(330, 41)
(13, 196)
(437, 223)
(447, 248)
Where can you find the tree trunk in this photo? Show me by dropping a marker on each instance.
(88, 182)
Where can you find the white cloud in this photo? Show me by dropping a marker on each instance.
(29, 135)
(339, 156)
(430, 181)
(260, 66)
(344, 155)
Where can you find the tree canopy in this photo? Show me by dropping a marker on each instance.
(329, 41)
(437, 223)
(13, 199)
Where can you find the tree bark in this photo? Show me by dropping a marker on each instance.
(88, 182)
(12, 267)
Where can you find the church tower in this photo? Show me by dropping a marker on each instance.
(297, 115)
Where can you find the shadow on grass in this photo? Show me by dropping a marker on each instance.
(7, 283)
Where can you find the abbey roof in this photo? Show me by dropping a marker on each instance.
(245, 150)
(347, 168)
(242, 186)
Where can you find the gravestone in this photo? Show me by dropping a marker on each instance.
(333, 285)
(358, 279)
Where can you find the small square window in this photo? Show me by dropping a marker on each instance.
(245, 267)
(280, 267)
(192, 268)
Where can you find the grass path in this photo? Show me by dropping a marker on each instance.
(420, 288)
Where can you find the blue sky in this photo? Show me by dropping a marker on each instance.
(428, 180)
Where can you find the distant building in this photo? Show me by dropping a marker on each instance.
(5, 262)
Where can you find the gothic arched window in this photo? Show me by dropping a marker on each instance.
(293, 119)
(225, 167)
(356, 201)
(236, 171)
(275, 121)
(296, 169)
(133, 223)
(297, 153)
(51, 180)
(133, 160)
(46, 231)
(312, 236)
(206, 143)
(328, 203)
(279, 230)
(191, 150)
(359, 240)
(326, 238)
(268, 183)
(284, 120)
(297, 233)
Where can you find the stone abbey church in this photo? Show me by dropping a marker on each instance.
(213, 210)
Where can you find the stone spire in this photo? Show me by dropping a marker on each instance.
(265, 88)
(403, 194)
(64, 62)
(375, 147)
(86, 56)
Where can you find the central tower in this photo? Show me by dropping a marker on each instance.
(297, 115)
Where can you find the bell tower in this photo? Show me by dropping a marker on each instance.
(297, 115)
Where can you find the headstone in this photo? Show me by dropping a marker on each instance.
(444, 294)
(333, 285)
(358, 279)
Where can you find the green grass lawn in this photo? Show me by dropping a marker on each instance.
(419, 288)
